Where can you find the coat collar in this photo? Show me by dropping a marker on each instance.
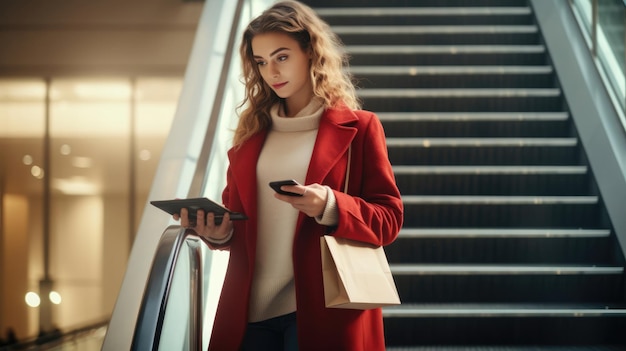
(333, 139)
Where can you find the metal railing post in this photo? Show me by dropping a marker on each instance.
(195, 294)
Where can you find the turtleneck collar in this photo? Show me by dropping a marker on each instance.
(307, 119)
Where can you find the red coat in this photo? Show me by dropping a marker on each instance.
(372, 213)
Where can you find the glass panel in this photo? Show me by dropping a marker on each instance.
(611, 21)
(89, 175)
(582, 8)
(91, 121)
(611, 43)
(155, 106)
(22, 126)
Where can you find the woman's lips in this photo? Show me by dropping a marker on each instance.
(279, 85)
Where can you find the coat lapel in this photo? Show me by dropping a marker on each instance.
(244, 170)
(333, 139)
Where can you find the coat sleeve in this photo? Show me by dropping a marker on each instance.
(372, 210)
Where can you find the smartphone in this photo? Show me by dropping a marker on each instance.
(277, 184)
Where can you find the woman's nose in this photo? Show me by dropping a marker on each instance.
(273, 70)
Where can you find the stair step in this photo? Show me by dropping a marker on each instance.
(483, 151)
(509, 288)
(433, 30)
(471, 116)
(446, 55)
(445, 77)
(445, 49)
(492, 180)
(421, 11)
(489, 170)
(473, 233)
(462, 124)
(461, 100)
(507, 283)
(457, 93)
(481, 142)
(443, 70)
(498, 200)
(476, 181)
(426, 19)
(503, 246)
(437, 35)
(502, 326)
(421, 3)
(490, 269)
(507, 348)
(501, 310)
(501, 211)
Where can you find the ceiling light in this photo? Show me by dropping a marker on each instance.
(37, 172)
(65, 150)
(75, 186)
(82, 162)
(32, 299)
(27, 160)
(145, 155)
(103, 90)
(55, 297)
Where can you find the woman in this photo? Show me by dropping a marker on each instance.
(299, 120)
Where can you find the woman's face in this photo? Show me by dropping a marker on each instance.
(285, 68)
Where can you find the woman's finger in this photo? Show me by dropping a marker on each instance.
(200, 221)
(184, 217)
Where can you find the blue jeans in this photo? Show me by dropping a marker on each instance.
(274, 334)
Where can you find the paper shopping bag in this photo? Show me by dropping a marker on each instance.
(356, 275)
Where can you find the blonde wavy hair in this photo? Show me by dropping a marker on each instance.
(331, 80)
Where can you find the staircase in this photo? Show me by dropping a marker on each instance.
(506, 244)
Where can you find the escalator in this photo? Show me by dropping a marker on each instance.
(506, 242)
(510, 241)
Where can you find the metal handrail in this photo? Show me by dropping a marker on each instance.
(154, 303)
(195, 292)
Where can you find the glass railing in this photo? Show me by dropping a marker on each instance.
(603, 24)
(85, 338)
(175, 311)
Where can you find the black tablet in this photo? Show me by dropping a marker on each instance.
(194, 204)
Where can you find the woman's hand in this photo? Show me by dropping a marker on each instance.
(205, 224)
(313, 199)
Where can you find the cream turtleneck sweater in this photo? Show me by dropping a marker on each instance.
(285, 155)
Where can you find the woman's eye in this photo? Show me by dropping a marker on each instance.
(260, 63)
(282, 58)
